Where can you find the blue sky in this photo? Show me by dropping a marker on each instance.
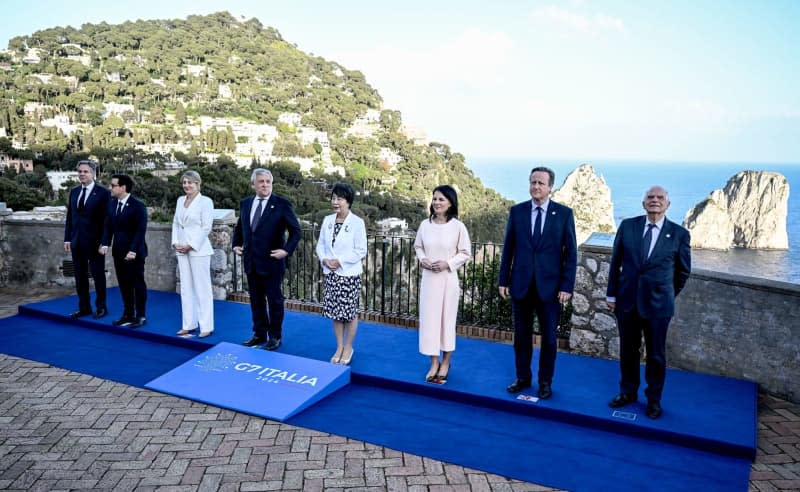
(707, 80)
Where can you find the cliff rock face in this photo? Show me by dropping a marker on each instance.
(750, 212)
(590, 198)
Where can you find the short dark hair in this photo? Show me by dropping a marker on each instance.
(86, 162)
(547, 170)
(344, 190)
(450, 193)
(124, 180)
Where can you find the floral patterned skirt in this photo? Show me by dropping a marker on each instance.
(340, 297)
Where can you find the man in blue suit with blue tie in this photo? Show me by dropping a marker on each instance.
(83, 230)
(650, 264)
(537, 269)
(125, 230)
(260, 239)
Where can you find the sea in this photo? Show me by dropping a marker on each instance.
(688, 183)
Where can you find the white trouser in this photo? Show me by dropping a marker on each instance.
(197, 299)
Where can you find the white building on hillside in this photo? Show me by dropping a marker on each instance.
(118, 109)
(292, 119)
(59, 178)
(61, 121)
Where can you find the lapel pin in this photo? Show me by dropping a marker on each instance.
(667, 235)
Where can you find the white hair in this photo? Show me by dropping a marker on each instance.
(258, 172)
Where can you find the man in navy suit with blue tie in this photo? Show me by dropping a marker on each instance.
(83, 230)
(537, 269)
(650, 264)
(260, 239)
(125, 230)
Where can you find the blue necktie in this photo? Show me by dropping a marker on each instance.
(537, 226)
(646, 240)
(82, 198)
(257, 215)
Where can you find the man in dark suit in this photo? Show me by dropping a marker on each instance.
(538, 267)
(260, 238)
(86, 213)
(650, 264)
(126, 225)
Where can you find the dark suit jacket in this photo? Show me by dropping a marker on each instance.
(651, 286)
(126, 229)
(84, 229)
(277, 218)
(553, 262)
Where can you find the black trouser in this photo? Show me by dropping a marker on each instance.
(130, 276)
(631, 326)
(266, 290)
(547, 313)
(84, 261)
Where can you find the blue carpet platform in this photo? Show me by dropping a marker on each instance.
(705, 439)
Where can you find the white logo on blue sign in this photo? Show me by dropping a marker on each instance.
(215, 363)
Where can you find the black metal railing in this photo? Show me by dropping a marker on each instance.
(390, 283)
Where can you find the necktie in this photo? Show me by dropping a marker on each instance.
(82, 198)
(119, 208)
(646, 240)
(257, 215)
(537, 226)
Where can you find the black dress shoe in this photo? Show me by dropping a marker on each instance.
(123, 321)
(138, 322)
(273, 344)
(80, 313)
(622, 399)
(100, 313)
(654, 410)
(256, 340)
(519, 385)
(545, 391)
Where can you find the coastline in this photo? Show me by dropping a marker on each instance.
(688, 184)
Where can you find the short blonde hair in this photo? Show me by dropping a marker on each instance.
(192, 177)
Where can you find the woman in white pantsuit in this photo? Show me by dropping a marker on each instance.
(442, 245)
(190, 228)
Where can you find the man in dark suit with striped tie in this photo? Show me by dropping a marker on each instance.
(537, 269)
(260, 238)
(650, 264)
(83, 230)
(126, 226)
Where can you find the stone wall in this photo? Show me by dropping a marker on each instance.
(32, 254)
(724, 324)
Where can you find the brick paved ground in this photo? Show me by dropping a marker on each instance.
(61, 430)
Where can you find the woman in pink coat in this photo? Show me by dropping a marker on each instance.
(442, 245)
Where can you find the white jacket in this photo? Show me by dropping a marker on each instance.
(350, 247)
(192, 225)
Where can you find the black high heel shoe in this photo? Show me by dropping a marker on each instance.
(442, 378)
(432, 375)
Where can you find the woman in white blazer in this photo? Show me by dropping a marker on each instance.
(341, 246)
(190, 228)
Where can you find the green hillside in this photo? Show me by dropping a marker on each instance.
(219, 94)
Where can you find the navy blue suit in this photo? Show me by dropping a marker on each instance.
(264, 273)
(84, 230)
(127, 231)
(536, 273)
(644, 292)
